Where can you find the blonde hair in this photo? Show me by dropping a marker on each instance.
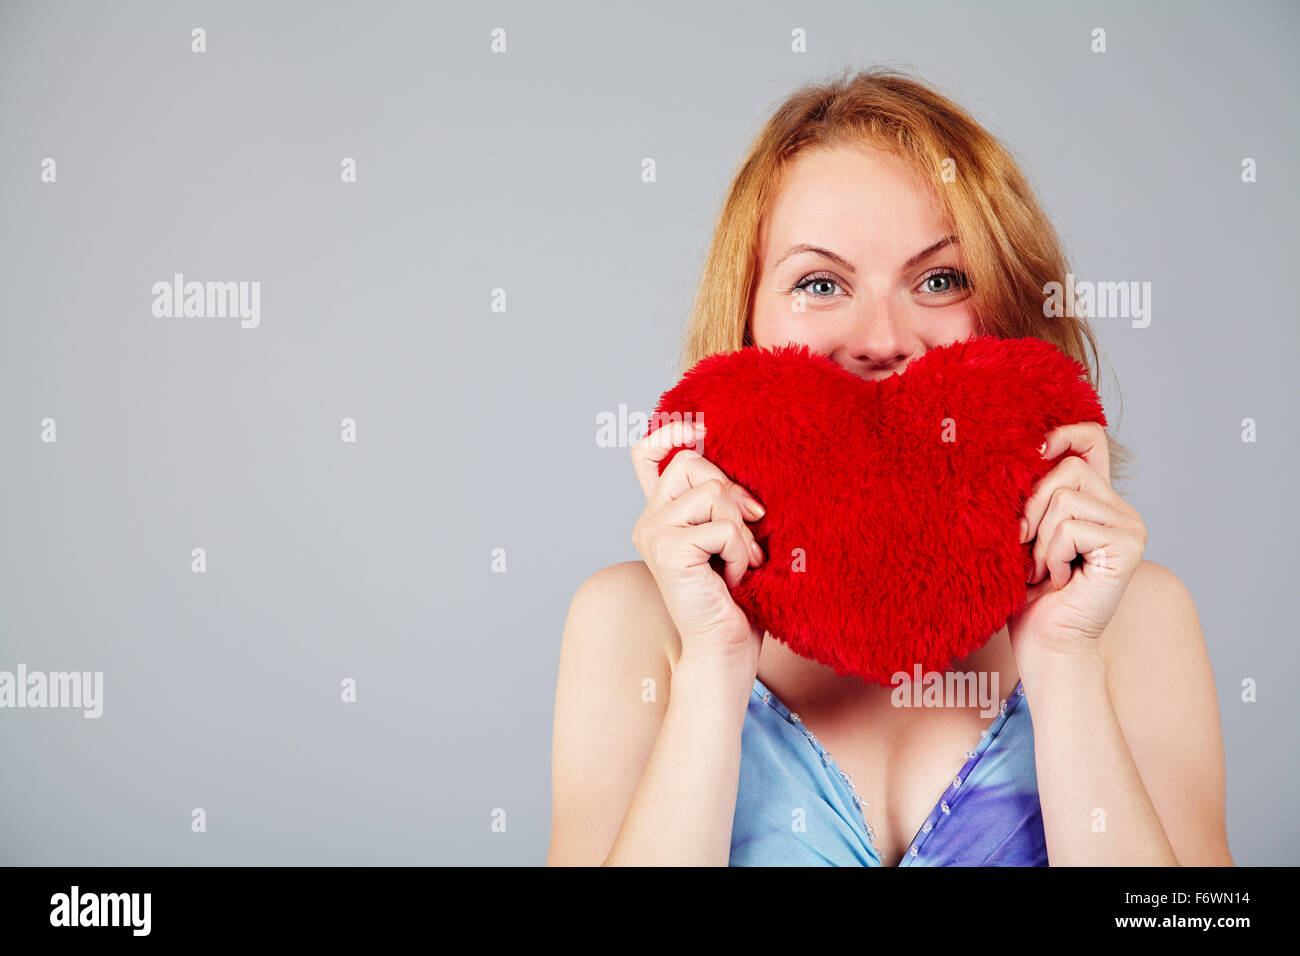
(1010, 247)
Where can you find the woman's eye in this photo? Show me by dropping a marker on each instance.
(820, 285)
(944, 281)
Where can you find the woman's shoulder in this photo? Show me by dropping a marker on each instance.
(611, 696)
(1163, 690)
(610, 701)
(1156, 620)
(619, 610)
(627, 586)
(625, 578)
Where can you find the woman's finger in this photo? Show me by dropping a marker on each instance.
(649, 451)
(1072, 473)
(689, 470)
(1099, 545)
(1085, 439)
(1070, 504)
(710, 501)
(721, 537)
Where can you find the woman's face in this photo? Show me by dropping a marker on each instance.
(881, 284)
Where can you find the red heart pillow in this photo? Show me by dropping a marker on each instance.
(893, 506)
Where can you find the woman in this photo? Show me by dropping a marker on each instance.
(873, 220)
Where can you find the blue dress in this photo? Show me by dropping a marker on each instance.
(796, 807)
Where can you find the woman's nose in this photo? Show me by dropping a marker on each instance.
(880, 338)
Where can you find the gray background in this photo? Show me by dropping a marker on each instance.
(476, 428)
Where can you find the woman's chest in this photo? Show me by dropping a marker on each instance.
(900, 764)
(904, 747)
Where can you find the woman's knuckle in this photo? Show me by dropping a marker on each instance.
(687, 455)
(660, 550)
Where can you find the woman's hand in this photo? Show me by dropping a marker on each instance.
(1074, 513)
(693, 512)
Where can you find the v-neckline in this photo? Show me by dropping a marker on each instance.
(941, 809)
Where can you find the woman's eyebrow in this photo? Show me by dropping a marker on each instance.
(926, 253)
(844, 263)
(804, 247)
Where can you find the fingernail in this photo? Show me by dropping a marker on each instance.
(758, 552)
(754, 508)
(1042, 448)
(1024, 530)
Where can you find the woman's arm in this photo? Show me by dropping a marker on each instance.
(685, 803)
(639, 775)
(1127, 743)
(1162, 686)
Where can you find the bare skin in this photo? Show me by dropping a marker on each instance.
(657, 662)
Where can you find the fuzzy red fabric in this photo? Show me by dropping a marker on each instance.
(893, 506)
